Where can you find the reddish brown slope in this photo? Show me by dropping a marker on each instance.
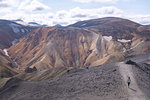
(30, 47)
(69, 47)
(7, 67)
(75, 47)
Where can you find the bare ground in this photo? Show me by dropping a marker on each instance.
(106, 82)
(134, 92)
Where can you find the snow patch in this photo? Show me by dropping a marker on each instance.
(108, 38)
(22, 30)
(6, 52)
(26, 30)
(124, 40)
(124, 49)
(15, 27)
(83, 24)
(14, 41)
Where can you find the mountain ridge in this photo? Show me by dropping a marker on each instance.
(72, 46)
(9, 31)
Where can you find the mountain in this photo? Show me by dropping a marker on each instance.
(57, 25)
(105, 82)
(100, 41)
(34, 24)
(17, 20)
(113, 26)
(10, 32)
(20, 21)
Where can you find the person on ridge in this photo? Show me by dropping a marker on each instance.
(129, 81)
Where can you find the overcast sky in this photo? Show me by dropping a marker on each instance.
(66, 12)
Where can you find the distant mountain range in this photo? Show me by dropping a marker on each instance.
(86, 43)
(20, 21)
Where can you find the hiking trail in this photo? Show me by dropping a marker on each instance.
(134, 91)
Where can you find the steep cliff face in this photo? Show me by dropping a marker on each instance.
(78, 47)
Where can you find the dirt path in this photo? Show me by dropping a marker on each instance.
(134, 92)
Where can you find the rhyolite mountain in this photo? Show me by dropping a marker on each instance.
(86, 43)
(10, 32)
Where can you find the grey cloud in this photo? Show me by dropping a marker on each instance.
(145, 22)
(79, 16)
(109, 12)
(61, 15)
(38, 9)
(4, 5)
(61, 23)
(50, 16)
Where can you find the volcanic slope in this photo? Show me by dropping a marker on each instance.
(106, 82)
(7, 66)
(51, 47)
(63, 47)
(113, 26)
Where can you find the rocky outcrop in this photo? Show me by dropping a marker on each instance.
(30, 70)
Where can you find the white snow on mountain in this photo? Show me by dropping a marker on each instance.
(123, 40)
(108, 38)
(18, 28)
(6, 52)
(15, 27)
(26, 30)
(22, 30)
(14, 41)
(83, 24)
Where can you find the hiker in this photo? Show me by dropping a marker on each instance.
(68, 70)
(87, 67)
(129, 81)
